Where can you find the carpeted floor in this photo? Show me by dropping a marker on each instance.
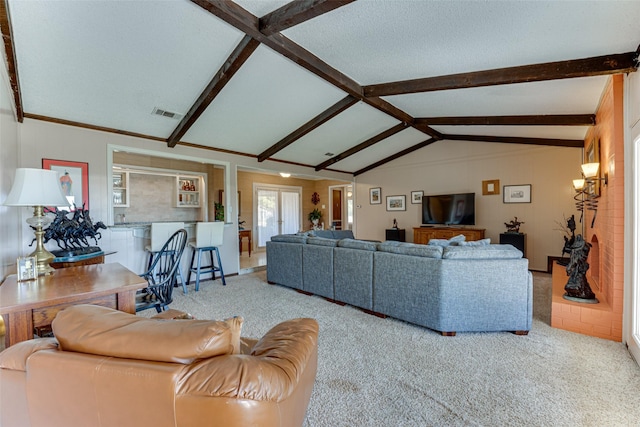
(384, 372)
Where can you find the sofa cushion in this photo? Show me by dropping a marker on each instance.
(481, 242)
(321, 241)
(289, 238)
(358, 244)
(333, 234)
(481, 252)
(342, 234)
(411, 249)
(327, 234)
(454, 241)
(104, 331)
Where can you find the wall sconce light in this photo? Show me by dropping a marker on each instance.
(586, 196)
(285, 174)
(37, 188)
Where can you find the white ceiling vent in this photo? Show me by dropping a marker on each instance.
(165, 113)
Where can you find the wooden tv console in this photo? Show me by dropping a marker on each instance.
(422, 235)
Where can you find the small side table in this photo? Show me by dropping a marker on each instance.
(241, 235)
(396, 234)
(519, 240)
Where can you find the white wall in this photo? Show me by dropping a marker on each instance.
(458, 167)
(10, 248)
(39, 139)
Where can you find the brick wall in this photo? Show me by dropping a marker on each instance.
(606, 259)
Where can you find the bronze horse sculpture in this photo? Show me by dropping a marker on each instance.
(73, 234)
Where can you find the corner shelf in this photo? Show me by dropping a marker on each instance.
(188, 191)
(120, 189)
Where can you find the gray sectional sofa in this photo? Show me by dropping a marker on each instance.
(450, 289)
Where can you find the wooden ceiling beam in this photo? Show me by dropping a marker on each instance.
(595, 66)
(312, 124)
(12, 63)
(574, 143)
(396, 156)
(234, 15)
(530, 120)
(239, 56)
(366, 144)
(244, 21)
(295, 13)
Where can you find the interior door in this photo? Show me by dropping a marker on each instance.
(278, 212)
(336, 212)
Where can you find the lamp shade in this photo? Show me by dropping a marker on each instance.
(36, 187)
(590, 170)
(578, 184)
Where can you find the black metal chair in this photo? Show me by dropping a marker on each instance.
(161, 275)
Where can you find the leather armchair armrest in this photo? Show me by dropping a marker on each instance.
(270, 373)
(15, 357)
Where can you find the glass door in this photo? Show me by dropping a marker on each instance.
(277, 211)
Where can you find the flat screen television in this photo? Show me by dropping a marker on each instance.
(449, 209)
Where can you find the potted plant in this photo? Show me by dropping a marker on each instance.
(315, 216)
(219, 211)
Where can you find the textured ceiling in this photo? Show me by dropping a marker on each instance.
(108, 64)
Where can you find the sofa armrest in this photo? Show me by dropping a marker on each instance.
(270, 373)
(15, 357)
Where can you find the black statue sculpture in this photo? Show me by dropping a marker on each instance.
(513, 226)
(72, 234)
(577, 288)
(568, 241)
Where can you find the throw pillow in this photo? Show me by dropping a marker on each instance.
(454, 241)
(482, 242)
(457, 239)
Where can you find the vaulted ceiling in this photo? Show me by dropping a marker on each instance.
(330, 84)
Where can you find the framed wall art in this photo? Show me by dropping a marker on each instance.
(375, 196)
(490, 187)
(74, 180)
(396, 203)
(416, 197)
(517, 193)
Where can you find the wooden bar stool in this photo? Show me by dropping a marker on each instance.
(160, 233)
(209, 235)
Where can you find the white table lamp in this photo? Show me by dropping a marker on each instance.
(37, 188)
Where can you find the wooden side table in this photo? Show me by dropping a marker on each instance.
(35, 303)
(242, 234)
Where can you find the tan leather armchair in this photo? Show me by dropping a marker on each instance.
(109, 368)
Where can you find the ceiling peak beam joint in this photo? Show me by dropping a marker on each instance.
(396, 156)
(312, 124)
(366, 144)
(595, 66)
(295, 13)
(244, 21)
(239, 56)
